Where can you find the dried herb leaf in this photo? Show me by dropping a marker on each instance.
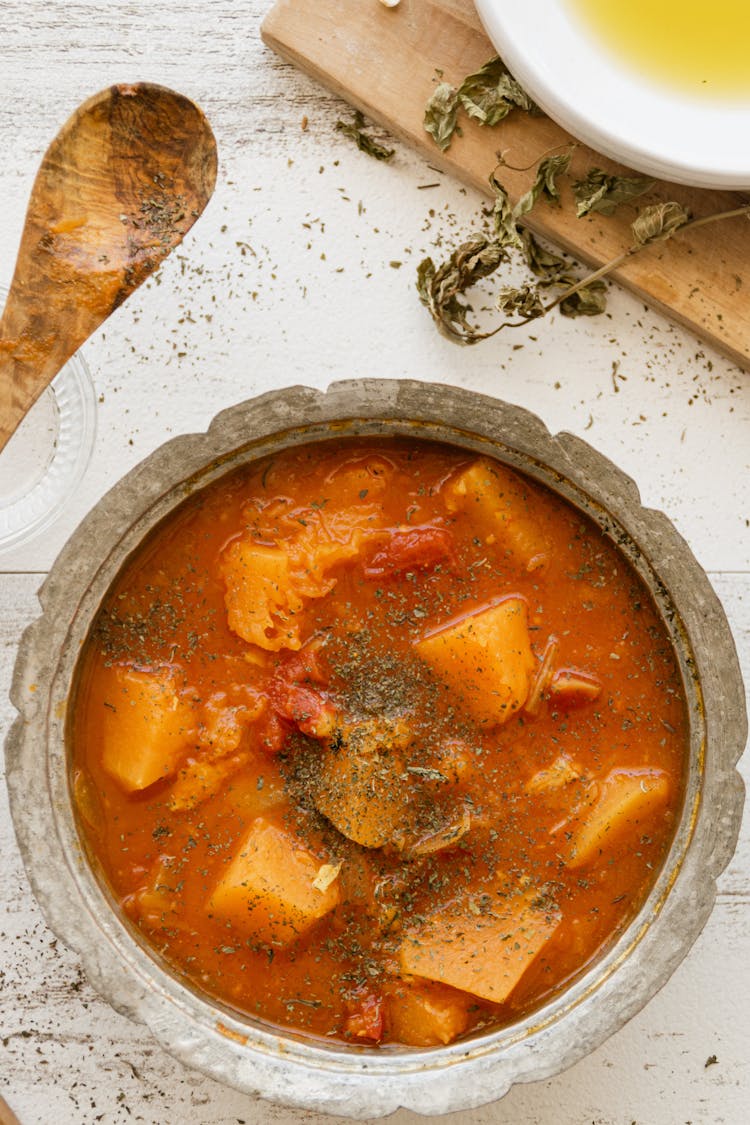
(591, 300)
(492, 92)
(504, 217)
(439, 287)
(545, 183)
(657, 223)
(550, 268)
(488, 96)
(426, 773)
(604, 194)
(440, 115)
(524, 300)
(364, 142)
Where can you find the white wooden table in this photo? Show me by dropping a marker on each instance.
(290, 277)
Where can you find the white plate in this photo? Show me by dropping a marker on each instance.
(666, 133)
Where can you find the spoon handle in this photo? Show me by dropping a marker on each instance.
(29, 362)
(7, 1116)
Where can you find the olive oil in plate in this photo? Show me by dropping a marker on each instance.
(690, 45)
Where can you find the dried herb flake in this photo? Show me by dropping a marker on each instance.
(604, 194)
(441, 114)
(364, 142)
(492, 92)
(657, 223)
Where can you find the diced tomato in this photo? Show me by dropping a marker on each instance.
(310, 711)
(295, 699)
(367, 1020)
(272, 733)
(302, 667)
(414, 548)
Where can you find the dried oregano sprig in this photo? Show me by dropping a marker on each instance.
(440, 287)
(488, 96)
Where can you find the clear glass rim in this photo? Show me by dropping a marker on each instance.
(33, 511)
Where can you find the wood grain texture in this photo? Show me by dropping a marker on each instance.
(383, 61)
(7, 1116)
(118, 188)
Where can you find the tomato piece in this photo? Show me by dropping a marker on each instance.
(272, 733)
(295, 695)
(414, 548)
(367, 1021)
(302, 666)
(310, 711)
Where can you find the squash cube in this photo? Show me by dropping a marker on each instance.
(623, 803)
(201, 779)
(262, 604)
(423, 1014)
(496, 501)
(269, 889)
(486, 658)
(363, 796)
(145, 726)
(360, 787)
(479, 948)
(266, 586)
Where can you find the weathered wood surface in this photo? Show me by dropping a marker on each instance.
(383, 60)
(286, 279)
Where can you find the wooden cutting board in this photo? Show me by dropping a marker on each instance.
(383, 61)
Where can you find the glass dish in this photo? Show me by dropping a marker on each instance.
(44, 461)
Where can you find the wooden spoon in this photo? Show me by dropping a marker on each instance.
(119, 187)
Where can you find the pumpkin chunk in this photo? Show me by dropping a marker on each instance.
(622, 803)
(269, 888)
(486, 657)
(423, 1014)
(146, 726)
(360, 786)
(263, 605)
(479, 948)
(267, 586)
(496, 501)
(199, 780)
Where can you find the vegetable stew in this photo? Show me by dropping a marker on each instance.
(377, 740)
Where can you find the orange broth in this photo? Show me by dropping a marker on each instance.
(377, 740)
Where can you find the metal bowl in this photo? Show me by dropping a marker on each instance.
(370, 1082)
